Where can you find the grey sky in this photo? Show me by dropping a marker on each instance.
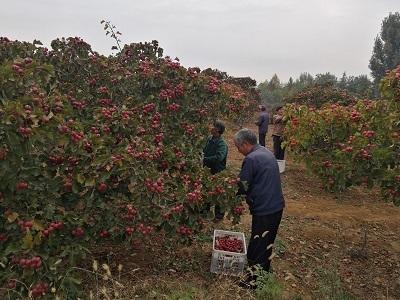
(242, 37)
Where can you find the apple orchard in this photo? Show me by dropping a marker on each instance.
(96, 148)
(353, 144)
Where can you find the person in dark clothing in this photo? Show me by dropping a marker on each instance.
(262, 123)
(260, 182)
(277, 136)
(214, 157)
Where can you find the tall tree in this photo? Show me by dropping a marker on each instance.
(274, 83)
(386, 51)
(325, 79)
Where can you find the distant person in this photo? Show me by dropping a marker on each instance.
(260, 182)
(277, 136)
(262, 123)
(214, 157)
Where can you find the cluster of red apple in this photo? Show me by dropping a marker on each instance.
(229, 243)
(355, 116)
(365, 154)
(56, 159)
(39, 289)
(145, 230)
(78, 232)
(368, 133)
(78, 104)
(21, 185)
(156, 121)
(148, 107)
(172, 64)
(105, 102)
(18, 67)
(194, 197)
(129, 230)
(24, 131)
(28, 263)
(102, 187)
(213, 85)
(173, 107)
(156, 186)
(238, 210)
(131, 212)
(184, 230)
(52, 227)
(103, 90)
(76, 136)
(172, 92)
(177, 208)
(189, 128)
(217, 191)
(25, 225)
(158, 138)
(108, 112)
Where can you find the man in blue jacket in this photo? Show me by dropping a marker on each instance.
(262, 123)
(260, 182)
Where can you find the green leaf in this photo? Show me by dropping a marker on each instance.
(27, 240)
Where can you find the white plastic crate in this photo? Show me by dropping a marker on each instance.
(281, 165)
(226, 262)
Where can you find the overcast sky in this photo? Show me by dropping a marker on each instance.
(255, 38)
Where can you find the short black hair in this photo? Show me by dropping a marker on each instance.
(262, 107)
(220, 126)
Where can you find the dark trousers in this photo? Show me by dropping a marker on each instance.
(279, 152)
(263, 234)
(261, 138)
(218, 213)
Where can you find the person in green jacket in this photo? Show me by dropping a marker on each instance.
(214, 157)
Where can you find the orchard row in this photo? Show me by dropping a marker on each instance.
(96, 148)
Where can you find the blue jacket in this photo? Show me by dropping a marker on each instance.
(262, 122)
(261, 182)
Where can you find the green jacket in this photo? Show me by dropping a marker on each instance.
(215, 153)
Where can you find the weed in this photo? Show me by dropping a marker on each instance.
(268, 287)
(330, 286)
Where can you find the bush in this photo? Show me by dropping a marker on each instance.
(318, 95)
(96, 148)
(358, 144)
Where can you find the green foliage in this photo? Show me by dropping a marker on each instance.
(96, 149)
(357, 144)
(280, 247)
(330, 286)
(357, 85)
(182, 295)
(316, 91)
(268, 287)
(318, 95)
(326, 79)
(386, 50)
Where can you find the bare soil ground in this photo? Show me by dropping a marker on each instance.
(324, 244)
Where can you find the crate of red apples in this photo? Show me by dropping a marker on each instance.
(229, 253)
